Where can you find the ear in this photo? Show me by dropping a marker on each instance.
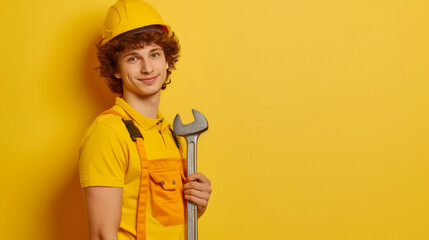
(117, 75)
(167, 66)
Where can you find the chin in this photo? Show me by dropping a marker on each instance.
(149, 92)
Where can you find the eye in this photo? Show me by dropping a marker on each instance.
(131, 59)
(155, 54)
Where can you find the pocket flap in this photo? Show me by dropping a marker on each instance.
(168, 179)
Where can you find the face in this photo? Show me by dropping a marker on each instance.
(143, 71)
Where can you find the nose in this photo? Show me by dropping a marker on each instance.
(146, 66)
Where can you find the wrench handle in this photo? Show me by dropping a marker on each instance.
(192, 218)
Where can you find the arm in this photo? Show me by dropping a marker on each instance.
(104, 209)
(198, 190)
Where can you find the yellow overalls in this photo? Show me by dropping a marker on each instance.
(163, 178)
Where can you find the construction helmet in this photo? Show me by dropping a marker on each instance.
(131, 17)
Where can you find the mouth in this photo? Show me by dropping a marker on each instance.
(148, 80)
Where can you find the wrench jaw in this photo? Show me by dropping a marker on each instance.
(198, 126)
(177, 125)
(200, 121)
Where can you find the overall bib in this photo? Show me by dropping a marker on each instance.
(162, 177)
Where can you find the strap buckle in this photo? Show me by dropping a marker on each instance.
(133, 130)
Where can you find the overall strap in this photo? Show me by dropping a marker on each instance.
(137, 138)
(176, 140)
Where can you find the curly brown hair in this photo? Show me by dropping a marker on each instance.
(108, 54)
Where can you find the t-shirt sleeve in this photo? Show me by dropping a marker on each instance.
(102, 157)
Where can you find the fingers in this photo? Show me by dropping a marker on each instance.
(200, 186)
(197, 189)
(198, 182)
(195, 194)
(201, 202)
(198, 177)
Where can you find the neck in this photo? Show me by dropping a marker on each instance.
(147, 105)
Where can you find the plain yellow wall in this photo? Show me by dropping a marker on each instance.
(318, 114)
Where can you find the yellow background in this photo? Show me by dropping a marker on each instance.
(318, 114)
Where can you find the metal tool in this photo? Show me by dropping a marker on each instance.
(191, 132)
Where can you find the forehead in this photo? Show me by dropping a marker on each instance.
(142, 47)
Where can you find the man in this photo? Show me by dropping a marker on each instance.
(131, 162)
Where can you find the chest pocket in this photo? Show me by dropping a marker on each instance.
(165, 185)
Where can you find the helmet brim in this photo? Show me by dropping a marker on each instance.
(150, 28)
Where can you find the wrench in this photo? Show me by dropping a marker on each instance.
(191, 132)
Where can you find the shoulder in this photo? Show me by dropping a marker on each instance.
(107, 121)
(106, 128)
(104, 153)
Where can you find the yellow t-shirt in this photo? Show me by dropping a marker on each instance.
(108, 157)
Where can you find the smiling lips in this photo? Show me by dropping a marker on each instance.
(148, 80)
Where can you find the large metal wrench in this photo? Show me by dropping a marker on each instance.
(191, 132)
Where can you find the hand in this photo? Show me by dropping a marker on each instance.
(197, 189)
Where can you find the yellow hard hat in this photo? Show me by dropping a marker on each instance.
(131, 16)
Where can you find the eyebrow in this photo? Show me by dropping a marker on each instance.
(155, 49)
(134, 53)
(130, 54)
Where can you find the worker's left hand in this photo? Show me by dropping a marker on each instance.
(197, 189)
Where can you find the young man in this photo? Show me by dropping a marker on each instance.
(132, 165)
